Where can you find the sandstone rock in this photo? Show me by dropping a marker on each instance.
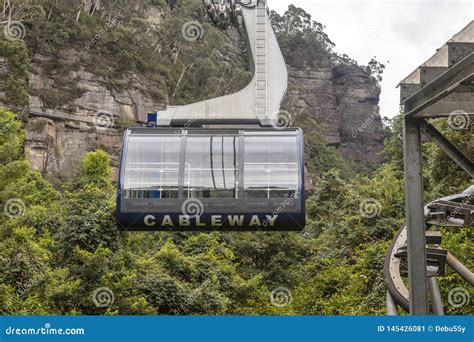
(70, 139)
(361, 127)
(344, 101)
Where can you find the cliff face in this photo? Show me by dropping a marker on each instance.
(361, 129)
(93, 118)
(77, 110)
(344, 102)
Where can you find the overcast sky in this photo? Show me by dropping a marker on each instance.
(405, 33)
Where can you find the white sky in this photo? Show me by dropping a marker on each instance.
(405, 33)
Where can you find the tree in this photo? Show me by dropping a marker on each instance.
(16, 70)
(95, 169)
(376, 69)
(88, 211)
(11, 137)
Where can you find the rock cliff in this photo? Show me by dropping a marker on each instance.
(344, 102)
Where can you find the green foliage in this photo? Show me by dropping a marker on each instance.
(394, 144)
(89, 210)
(15, 84)
(88, 221)
(96, 169)
(11, 138)
(300, 37)
(26, 188)
(440, 181)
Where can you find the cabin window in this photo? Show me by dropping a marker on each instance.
(152, 167)
(271, 167)
(211, 167)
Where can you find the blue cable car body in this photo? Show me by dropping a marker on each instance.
(201, 179)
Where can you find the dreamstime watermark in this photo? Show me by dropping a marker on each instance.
(46, 330)
(103, 120)
(359, 130)
(370, 31)
(112, 22)
(14, 30)
(280, 208)
(192, 31)
(187, 125)
(458, 209)
(21, 115)
(458, 297)
(305, 234)
(192, 207)
(370, 208)
(459, 120)
(14, 207)
(284, 119)
(192, 298)
(103, 297)
(281, 297)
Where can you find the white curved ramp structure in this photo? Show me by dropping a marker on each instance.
(259, 102)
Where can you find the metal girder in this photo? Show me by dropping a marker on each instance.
(445, 108)
(452, 151)
(436, 301)
(392, 309)
(415, 218)
(462, 270)
(460, 76)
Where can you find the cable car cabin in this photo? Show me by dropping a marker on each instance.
(200, 179)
